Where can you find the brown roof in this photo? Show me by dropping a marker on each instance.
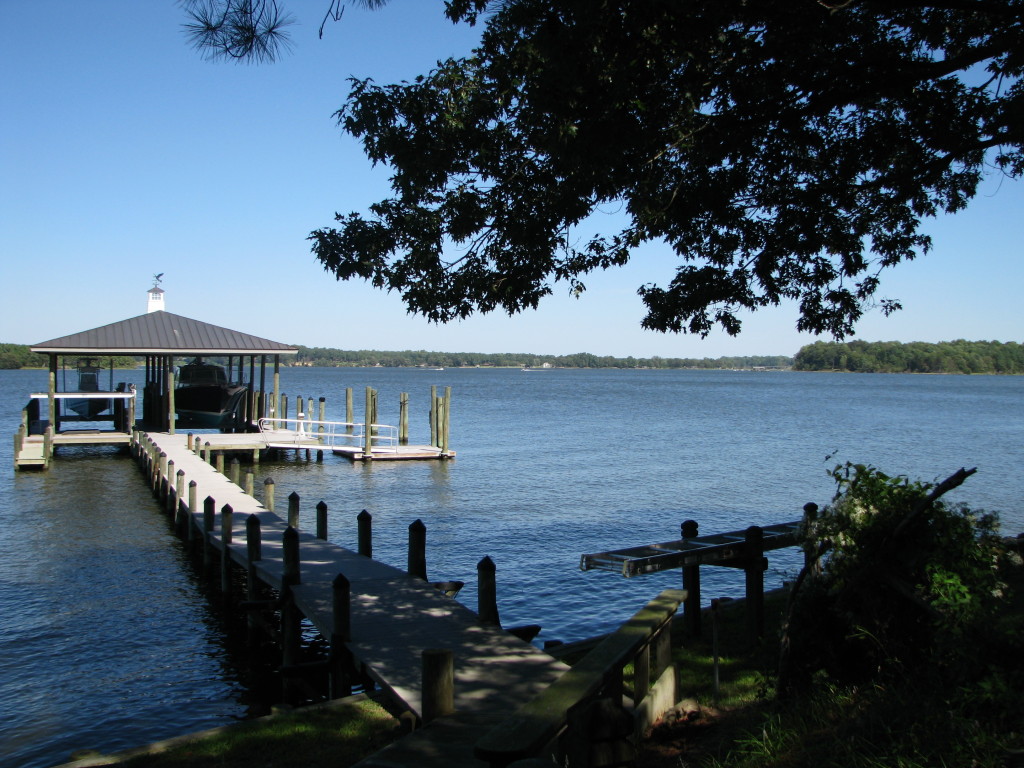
(162, 333)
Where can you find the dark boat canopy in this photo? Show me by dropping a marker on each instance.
(162, 333)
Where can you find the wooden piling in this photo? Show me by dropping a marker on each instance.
(254, 553)
(367, 428)
(226, 535)
(293, 510)
(754, 570)
(189, 527)
(340, 657)
(219, 462)
(418, 550)
(403, 418)
(438, 683)
(169, 496)
(365, 521)
(209, 510)
(250, 483)
(321, 520)
(433, 416)
(179, 495)
(348, 410)
(487, 593)
(691, 583)
(268, 493)
(291, 620)
(235, 470)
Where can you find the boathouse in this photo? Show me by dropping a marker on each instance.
(172, 346)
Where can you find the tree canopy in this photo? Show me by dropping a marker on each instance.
(783, 151)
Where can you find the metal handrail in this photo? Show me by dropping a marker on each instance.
(329, 434)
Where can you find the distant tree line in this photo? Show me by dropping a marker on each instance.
(328, 357)
(19, 356)
(916, 357)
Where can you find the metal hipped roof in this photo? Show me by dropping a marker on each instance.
(162, 333)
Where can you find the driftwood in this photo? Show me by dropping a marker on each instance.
(812, 567)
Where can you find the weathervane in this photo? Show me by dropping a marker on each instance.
(156, 278)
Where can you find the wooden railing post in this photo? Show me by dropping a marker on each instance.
(293, 509)
(189, 523)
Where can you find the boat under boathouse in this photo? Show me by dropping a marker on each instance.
(182, 389)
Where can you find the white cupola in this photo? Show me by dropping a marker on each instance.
(156, 296)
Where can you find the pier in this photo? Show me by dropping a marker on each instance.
(478, 695)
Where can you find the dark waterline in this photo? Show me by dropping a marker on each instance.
(109, 639)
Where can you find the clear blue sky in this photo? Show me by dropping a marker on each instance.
(123, 154)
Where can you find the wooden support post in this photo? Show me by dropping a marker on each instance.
(365, 522)
(487, 593)
(754, 569)
(691, 583)
(219, 462)
(208, 452)
(438, 684)
(250, 483)
(268, 494)
(418, 550)
(226, 536)
(293, 510)
(641, 674)
(197, 447)
(321, 411)
(284, 410)
(321, 521)
(403, 418)
(209, 510)
(235, 470)
(340, 657)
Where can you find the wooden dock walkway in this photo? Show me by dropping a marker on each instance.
(395, 617)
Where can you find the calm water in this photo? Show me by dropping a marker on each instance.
(109, 639)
